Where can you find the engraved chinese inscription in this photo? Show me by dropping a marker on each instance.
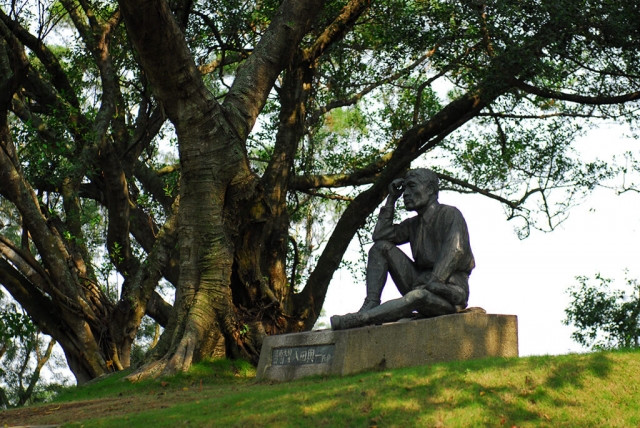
(301, 355)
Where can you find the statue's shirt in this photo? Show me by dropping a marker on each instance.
(439, 239)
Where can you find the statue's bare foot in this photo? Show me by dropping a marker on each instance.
(343, 322)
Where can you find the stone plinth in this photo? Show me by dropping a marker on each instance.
(403, 344)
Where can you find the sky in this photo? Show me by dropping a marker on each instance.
(529, 278)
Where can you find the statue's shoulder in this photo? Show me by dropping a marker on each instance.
(443, 208)
(449, 212)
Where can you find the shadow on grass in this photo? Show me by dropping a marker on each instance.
(492, 392)
(572, 372)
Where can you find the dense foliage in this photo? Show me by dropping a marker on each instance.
(232, 150)
(605, 317)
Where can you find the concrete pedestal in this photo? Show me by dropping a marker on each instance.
(403, 344)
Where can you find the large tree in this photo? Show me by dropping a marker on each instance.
(277, 108)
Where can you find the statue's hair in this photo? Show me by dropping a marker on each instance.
(426, 177)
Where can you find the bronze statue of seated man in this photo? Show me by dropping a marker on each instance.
(436, 281)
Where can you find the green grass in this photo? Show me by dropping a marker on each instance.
(581, 390)
(220, 373)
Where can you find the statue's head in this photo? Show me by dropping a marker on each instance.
(420, 187)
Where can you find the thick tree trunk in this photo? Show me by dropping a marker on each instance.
(261, 284)
(215, 177)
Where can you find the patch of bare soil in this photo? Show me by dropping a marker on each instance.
(77, 411)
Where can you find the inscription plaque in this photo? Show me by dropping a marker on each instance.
(301, 355)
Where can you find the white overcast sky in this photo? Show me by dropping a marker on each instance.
(529, 278)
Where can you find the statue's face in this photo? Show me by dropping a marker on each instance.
(416, 194)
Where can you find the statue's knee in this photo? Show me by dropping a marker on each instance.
(381, 247)
(416, 296)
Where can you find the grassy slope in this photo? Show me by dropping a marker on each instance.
(599, 389)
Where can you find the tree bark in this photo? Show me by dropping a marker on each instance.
(214, 167)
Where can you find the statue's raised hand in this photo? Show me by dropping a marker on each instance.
(396, 188)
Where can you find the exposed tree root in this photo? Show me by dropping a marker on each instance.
(182, 357)
(150, 370)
